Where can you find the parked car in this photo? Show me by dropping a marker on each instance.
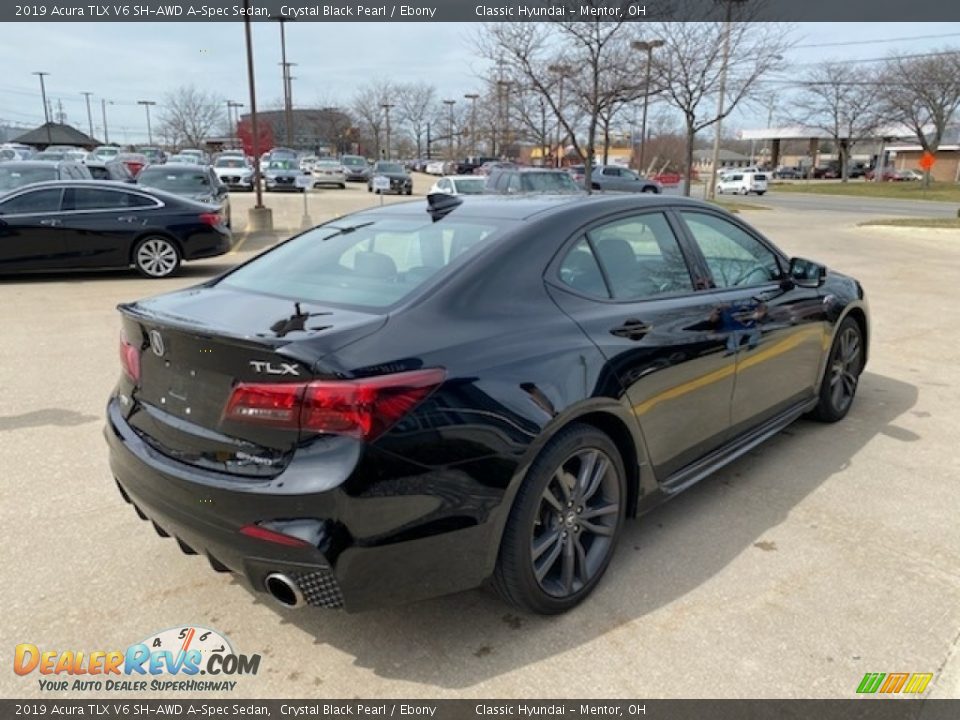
(400, 181)
(785, 172)
(281, 175)
(890, 174)
(621, 179)
(307, 161)
(436, 167)
(110, 170)
(135, 162)
(105, 152)
(179, 159)
(50, 156)
(234, 171)
(909, 175)
(459, 185)
(195, 182)
(96, 224)
(198, 156)
(15, 151)
(328, 172)
(154, 155)
(530, 180)
(742, 183)
(355, 168)
(17, 173)
(472, 163)
(489, 167)
(383, 409)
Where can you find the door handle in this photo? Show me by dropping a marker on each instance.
(50, 222)
(126, 218)
(632, 329)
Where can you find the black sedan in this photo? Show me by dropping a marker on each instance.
(101, 224)
(416, 399)
(395, 174)
(194, 182)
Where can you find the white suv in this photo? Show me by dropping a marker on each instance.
(742, 183)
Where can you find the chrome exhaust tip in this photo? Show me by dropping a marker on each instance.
(284, 590)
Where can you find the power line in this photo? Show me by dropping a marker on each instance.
(848, 43)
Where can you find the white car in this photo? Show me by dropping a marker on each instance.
(234, 172)
(459, 185)
(307, 162)
(742, 183)
(435, 167)
(328, 172)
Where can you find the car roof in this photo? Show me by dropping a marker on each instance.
(525, 207)
(39, 163)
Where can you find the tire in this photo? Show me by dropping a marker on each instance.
(649, 189)
(409, 192)
(842, 375)
(156, 256)
(369, 189)
(761, 193)
(343, 186)
(548, 524)
(743, 191)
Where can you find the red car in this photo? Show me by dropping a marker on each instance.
(135, 162)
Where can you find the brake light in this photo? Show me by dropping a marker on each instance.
(129, 358)
(272, 536)
(363, 408)
(211, 218)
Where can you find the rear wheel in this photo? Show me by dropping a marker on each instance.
(649, 189)
(564, 523)
(156, 257)
(842, 376)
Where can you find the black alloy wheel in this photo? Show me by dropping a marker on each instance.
(842, 376)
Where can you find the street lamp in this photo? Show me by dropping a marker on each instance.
(287, 100)
(724, 62)
(89, 114)
(146, 104)
(103, 111)
(472, 97)
(450, 104)
(260, 217)
(386, 110)
(647, 46)
(46, 110)
(562, 71)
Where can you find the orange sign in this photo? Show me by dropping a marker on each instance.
(927, 160)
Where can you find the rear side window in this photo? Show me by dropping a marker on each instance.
(375, 265)
(101, 199)
(580, 271)
(36, 201)
(761, 178)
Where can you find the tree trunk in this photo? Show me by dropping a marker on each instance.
(606, 142)
(588, 165)
(843, 152)
(688, 160)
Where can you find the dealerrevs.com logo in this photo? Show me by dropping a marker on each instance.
(170, 660)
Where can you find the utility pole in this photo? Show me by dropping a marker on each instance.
(725, 61)
(89, 114)
(46, 110)
(562, 71)
(504, 87)
(645, 46)
(146, 104)
(386, 109)
(450, 104)
(103, 111)
(287, 100)
(260, 217)
(472, 97)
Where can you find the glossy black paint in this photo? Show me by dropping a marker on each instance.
(64, 237)
(677, 385)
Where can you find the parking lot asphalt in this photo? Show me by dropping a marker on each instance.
(826, 553)
(863, 208)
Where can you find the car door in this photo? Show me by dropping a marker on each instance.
(99, 225)
(635, 289)
(779, 329)
(30, 235)
(610, 179)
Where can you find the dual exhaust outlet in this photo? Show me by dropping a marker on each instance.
(285, 591)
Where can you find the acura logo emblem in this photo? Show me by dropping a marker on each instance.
(156, 343)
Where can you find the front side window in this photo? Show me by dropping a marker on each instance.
(735, 258)
(641, 257)
(34, 202)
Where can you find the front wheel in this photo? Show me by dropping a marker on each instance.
(564, 523)
(156, 257)
(844, 366)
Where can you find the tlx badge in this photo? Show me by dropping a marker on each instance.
(271, 369)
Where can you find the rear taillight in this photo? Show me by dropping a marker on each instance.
(212, 219)
(363, 408)
(130, 358)
(272, 536)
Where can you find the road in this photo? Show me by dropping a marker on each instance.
(863, 208)
(828, 552)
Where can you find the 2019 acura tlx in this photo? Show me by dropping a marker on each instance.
(417, 399)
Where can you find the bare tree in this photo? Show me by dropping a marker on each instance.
(841, 100)
(190, 114)
(599, 69)
(416, 108)
(368, 105)
(692, 69)
(923, 93)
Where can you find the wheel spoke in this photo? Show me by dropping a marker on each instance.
(582, 572)
(595, 512)
(853, 350)
(595, 529)
(569, 559)
(542, 568)
(588, 463)
(544, 543)
(849, 383)
(550, 498)
(567, 483)
(599, 471)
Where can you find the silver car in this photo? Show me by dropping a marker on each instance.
(329, 172)
(234, 172)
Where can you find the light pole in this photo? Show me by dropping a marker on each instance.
(562, 71)
(647, 46)
(146, 104)
(103, 111)
(472, 97)
(725, 60)
(450, 104)
(287, 101)
(260, 217)
(386, 110)
(46, 110)
(89, 114)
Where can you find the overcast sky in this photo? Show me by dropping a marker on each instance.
(126, 62)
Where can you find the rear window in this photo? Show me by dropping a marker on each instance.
(761, 178)
(11, 178)
(176, 180)
(230, 163)
(376, 265)
(548, 182)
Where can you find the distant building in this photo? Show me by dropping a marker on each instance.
(703, 160)
(323, 130)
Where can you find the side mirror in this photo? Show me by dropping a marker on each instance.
(806, 273)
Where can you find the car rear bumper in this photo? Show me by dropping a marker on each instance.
(374, 550)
